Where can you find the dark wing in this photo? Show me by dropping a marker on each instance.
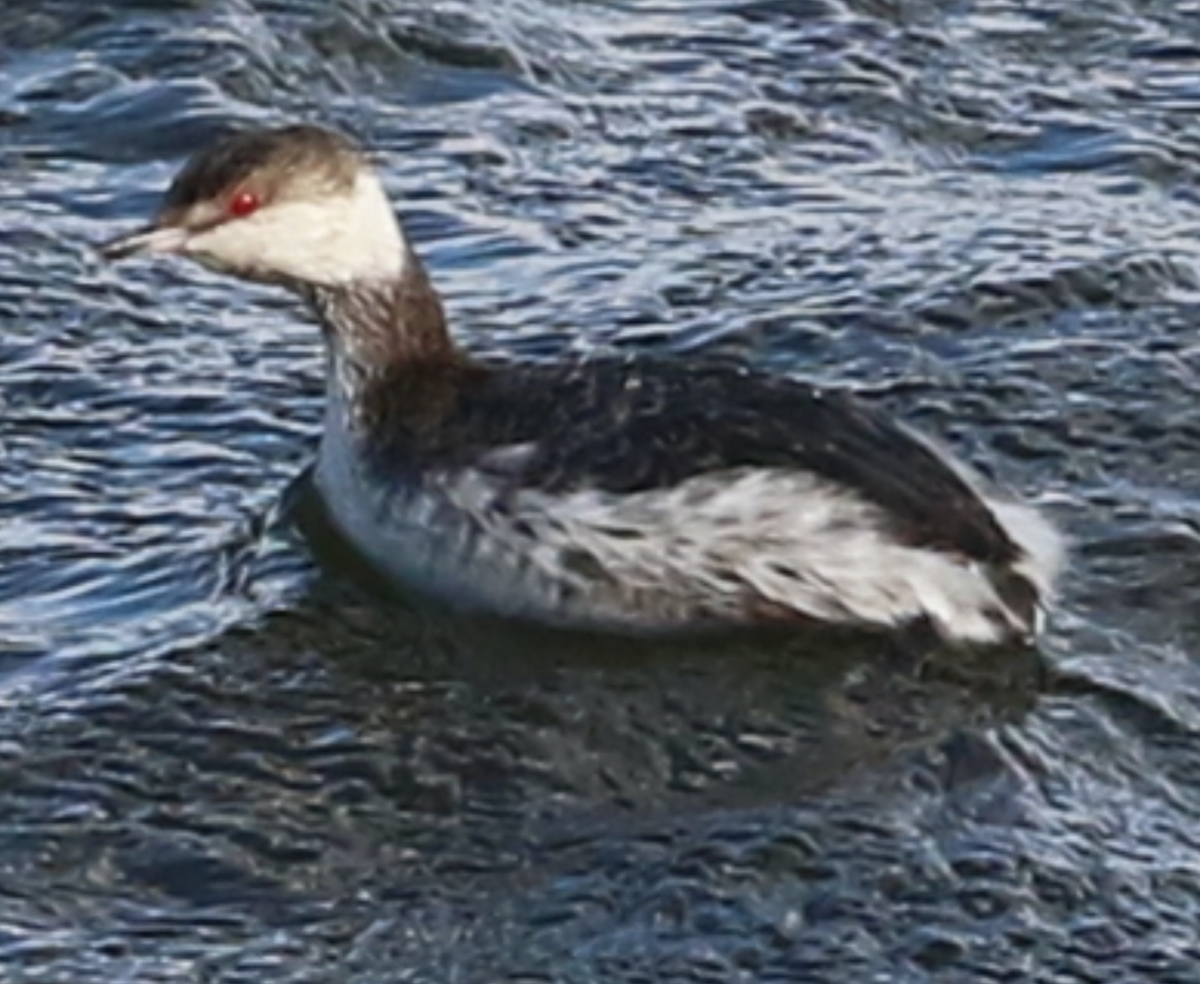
(634, 425)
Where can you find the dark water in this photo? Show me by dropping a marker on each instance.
(218, 764)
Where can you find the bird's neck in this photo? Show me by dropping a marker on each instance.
(380, 328)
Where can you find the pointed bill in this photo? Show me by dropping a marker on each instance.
(147, 240)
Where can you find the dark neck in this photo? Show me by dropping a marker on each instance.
(378, 332)
(376, 326)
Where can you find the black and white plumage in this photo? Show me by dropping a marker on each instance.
(637, 493)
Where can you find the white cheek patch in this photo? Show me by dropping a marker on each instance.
(327, 242)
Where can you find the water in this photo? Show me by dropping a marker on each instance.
(219, 763)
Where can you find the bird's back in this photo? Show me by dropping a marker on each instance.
(635, 425)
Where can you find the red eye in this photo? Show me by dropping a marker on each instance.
(242, 204)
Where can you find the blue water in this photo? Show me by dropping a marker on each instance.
(222, 761)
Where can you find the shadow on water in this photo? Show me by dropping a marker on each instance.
(358, 758)
(728, 719)
(463, 747)
(349, 768)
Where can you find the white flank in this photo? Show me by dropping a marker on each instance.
(707, 551)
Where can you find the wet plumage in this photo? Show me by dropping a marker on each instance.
(630, 493)
(627, 425)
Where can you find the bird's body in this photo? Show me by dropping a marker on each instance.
(636, 493)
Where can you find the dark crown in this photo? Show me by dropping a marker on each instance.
(275, 161)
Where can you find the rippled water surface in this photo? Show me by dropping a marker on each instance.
(220, 764)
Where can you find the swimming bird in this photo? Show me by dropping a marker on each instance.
(630, 493)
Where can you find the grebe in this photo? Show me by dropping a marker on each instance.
(635, 494)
